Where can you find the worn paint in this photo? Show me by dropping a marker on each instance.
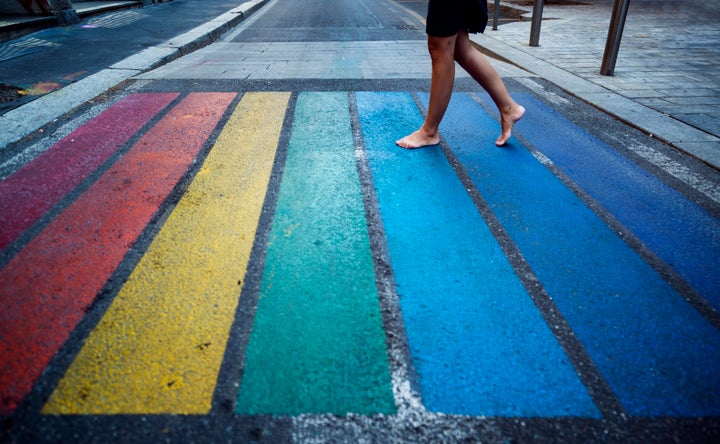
(678, 230)
(32, 190)
(159, 347)
(40, 88)
(317, 344)
(656, 351)
(47, 287)
(478, 343)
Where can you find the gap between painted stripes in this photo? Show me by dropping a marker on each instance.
(170, 379)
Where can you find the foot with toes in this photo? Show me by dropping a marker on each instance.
(509, 116)
(419, 139)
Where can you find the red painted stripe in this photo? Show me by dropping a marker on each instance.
(48, 285)
(40, 184)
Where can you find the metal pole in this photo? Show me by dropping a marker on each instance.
(612, 45)
(496, 14)
(536, 19)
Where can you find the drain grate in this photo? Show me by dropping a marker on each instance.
(547, 2)
(116, 19)
(9, 93)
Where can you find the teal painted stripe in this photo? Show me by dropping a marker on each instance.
(479, 344)
(317, 344)
(658, 354)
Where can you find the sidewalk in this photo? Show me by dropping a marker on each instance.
(96, 70)
(667, 76)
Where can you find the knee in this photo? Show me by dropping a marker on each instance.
(441, 48)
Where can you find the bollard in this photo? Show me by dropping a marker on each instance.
(612, 45)
(536, 20)
(496, 14)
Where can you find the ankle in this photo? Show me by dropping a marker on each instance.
(428, 132)
(508, 108)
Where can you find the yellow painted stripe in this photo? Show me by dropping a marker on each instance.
(159, 347)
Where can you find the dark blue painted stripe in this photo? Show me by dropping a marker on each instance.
(676, 229)
(478, 343)
(659, 355)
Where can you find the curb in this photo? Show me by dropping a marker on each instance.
(16, 124)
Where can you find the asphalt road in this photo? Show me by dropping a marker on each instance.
(230, 247)
(50, 59)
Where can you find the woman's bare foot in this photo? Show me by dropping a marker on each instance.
(509, 117)
(418, 139)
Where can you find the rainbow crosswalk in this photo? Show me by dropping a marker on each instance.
(493, 282)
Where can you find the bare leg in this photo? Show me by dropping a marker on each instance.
(482, 71)
(442, 50)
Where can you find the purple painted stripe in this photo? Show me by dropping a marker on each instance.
(35, 188)
(46, 289)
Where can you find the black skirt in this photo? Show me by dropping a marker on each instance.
(447, 17)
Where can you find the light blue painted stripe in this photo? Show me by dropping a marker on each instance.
(657, 353)
(478, 343)
(676, 229)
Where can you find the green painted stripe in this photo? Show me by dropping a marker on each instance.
(318, 344)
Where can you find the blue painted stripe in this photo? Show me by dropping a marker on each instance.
(478, 343)
(676, 229)
(658, 354)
